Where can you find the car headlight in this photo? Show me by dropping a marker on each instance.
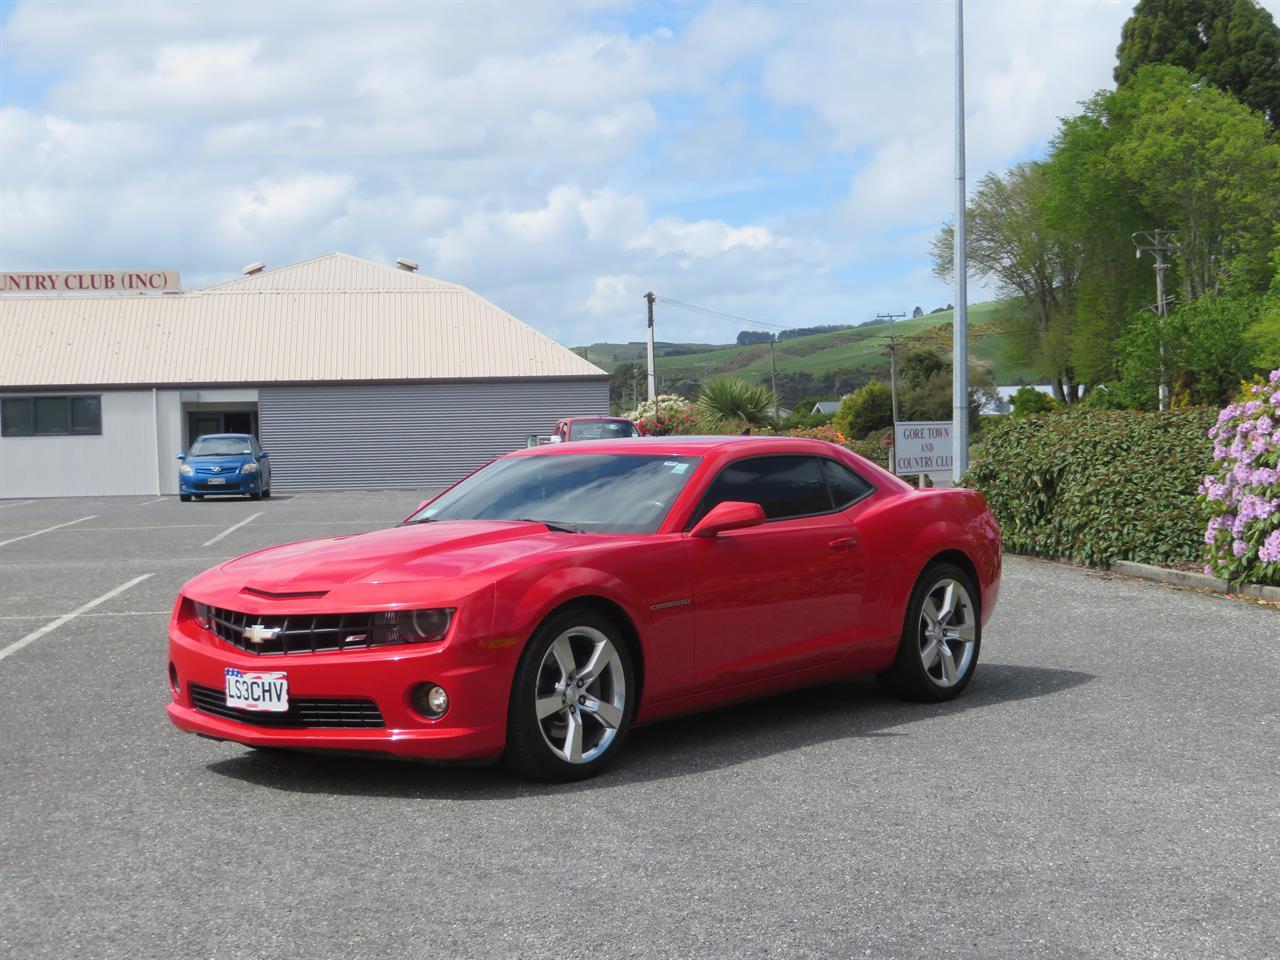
(407, 626)
(200, 613)
(249, 468)
(186, 470)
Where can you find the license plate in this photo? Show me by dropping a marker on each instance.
(268, 692)
(214, 481)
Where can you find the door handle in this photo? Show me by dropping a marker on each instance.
(842, 543)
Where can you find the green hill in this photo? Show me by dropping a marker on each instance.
(859, 348)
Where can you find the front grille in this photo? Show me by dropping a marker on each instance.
(309, 712)
(298, 633)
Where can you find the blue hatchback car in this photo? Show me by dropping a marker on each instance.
(224, 463)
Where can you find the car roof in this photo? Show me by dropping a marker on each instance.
(692, 446)
(576, 419)
(224, 436)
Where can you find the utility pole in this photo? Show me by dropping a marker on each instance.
(1159, 242)
(653, 377)
(960, 328)
(773, 375)
(893, 382)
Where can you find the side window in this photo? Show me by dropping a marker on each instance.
(783, 486)
(847, 487)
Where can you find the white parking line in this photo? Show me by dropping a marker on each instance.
(231, 529)
(147, 502)
(16, 503)
(100, 613)
(35, 635)
(5, 543)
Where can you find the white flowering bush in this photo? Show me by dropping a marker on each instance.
(665, 403)
(1242, 539)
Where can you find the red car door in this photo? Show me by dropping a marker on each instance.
(781, 596)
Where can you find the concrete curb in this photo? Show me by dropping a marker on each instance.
(1196, 581)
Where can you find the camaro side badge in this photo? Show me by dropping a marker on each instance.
(258, 634)
(670, 603)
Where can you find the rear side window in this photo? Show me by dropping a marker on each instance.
(847, 488)
(783, 486)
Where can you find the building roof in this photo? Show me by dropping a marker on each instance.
(332, 319)
(825, 407)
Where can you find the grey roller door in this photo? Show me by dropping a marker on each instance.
(408, 436)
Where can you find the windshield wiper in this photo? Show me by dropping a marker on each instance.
(550, 524)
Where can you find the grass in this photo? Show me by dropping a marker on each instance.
(860, 348)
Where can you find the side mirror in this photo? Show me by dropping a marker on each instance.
(263, 455)
(730, 515)
(182, 456)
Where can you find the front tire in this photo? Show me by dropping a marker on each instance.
(572, 699)
(941, 637)
(184, 497)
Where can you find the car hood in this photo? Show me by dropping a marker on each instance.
(226, 463)
(462, 552)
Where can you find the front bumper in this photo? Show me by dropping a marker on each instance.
(199, 484)
(473, 728)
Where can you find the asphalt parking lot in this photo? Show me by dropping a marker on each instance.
(1107, 788)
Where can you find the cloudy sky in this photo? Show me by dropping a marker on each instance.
(787, 162)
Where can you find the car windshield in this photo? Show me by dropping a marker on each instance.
(219, 447)
(609, 493)
(601, 429)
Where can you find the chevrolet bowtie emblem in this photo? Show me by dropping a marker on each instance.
(258, 634)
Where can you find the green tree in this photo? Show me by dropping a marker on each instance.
(1013, 244)
(865, 411)
(1205, 166)
(1029, 400)
(1234, 44)
(731, 405)
(1091, 203)
(1205, 355)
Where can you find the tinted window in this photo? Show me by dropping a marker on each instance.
(614, 493)
(846, 486)
(219, 447)
(783, 486)
(50, 416)
(86, 414)
(600, 430)
(18, 417)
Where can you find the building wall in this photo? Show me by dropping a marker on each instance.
(122, 460)
(407, 436)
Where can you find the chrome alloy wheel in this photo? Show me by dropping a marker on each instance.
(947, 632)
(581, 694)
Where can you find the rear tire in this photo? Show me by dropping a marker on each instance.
(266, 494)
(199, 496)
(941, 637)
(572, 699)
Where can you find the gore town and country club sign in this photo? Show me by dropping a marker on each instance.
(922, 447)
(91, 281)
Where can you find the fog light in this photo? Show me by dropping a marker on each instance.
(173, 678)
(430, 700)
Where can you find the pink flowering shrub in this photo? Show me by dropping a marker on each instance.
(1242, 539)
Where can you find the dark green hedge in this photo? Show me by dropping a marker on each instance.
(1098, 486)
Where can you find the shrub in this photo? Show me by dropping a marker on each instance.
(875, 449)
(823, 432)
(864, 411)
(1028, 400)
(664, 415)
(1097, 486)
(730, 405)
(1242, 496)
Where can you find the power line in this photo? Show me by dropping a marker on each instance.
(707, 311)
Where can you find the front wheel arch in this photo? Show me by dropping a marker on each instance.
(614, 613)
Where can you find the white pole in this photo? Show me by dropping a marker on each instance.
(960, 328)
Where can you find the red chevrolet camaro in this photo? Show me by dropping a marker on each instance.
(542, 606)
